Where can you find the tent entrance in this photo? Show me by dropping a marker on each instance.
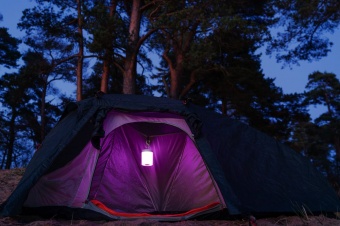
(177, 182)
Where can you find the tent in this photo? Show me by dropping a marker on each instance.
(203, 163)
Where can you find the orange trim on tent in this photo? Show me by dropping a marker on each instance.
(121, 214)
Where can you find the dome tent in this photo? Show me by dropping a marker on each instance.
(203, 162)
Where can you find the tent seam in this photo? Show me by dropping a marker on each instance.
(176, 175)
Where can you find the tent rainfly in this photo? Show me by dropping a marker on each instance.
(129, 156)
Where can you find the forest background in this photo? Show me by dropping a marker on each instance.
(202, 50)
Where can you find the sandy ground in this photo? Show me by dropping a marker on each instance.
(10, 178)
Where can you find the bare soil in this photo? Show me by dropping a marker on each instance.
(10, 178)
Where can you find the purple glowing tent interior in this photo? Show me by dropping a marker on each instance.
(178, 180)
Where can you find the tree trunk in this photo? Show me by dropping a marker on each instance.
(105, 75)
(175, 75)
(43, 110)
(129, 84)
(337, 146)
(80, 53)
(10, 146)
(180, 46)
(3, 160)
(108, 55)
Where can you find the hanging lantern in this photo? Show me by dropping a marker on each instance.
(147, 154)
(147, 157)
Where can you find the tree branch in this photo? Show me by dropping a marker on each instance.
(189, 85)
(144, 37)
(167, 59)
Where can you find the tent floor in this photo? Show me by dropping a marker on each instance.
(212, 207)
(95, 210)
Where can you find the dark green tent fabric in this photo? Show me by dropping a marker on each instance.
(254, 172)
(266, 176)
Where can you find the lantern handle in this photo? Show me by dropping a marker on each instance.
(147, 141)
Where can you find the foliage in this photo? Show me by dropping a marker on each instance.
(300, 29)
(9, 53)
(14, 99)
(324, 89)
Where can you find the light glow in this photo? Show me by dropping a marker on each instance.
(147, 157)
